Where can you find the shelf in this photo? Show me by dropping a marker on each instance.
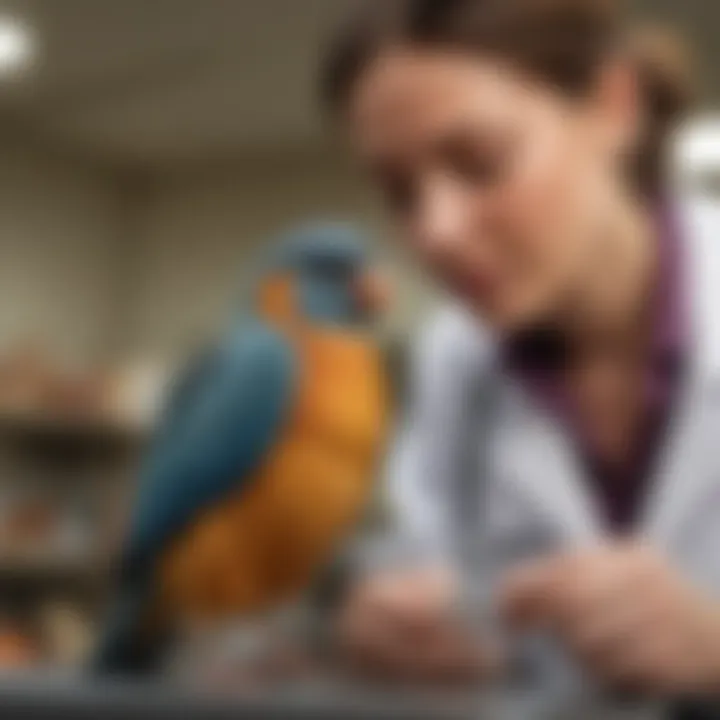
(46, 570)
(70, 430)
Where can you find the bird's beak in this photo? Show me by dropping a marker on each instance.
(372, 292)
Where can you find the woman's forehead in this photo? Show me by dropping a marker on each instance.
(410, 98)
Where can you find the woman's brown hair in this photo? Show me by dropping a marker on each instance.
(561, 42)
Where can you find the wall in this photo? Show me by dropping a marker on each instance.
(57, 228)
(89, 263)
(197, 230)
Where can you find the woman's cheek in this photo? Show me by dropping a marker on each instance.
(548, 196)
(532, 243)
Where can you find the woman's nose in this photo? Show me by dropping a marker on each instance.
(442, 220)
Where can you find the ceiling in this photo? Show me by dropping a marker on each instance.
(148, 82)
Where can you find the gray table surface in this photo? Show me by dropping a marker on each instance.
(51, 697)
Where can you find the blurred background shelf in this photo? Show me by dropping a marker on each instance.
(48, 427)
(48, 569)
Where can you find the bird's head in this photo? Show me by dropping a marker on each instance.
(321, 274)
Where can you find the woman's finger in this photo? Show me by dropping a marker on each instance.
(526, 597)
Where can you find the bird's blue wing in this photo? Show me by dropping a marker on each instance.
(185, 392)
(231, 411)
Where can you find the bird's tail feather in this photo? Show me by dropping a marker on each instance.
(131, 643)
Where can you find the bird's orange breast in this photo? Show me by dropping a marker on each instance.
(266, 544)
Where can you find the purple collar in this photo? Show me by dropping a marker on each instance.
(537, 356)
(538, 359)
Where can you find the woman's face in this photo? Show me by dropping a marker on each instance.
(501, 186)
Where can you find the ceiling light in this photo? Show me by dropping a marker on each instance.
(699, 145)
(17, 46)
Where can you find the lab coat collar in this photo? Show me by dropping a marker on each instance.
(688, 465)
(689, 468)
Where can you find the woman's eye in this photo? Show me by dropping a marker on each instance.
(478, 168)
(478, 163)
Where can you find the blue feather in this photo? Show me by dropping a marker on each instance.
(221, 423)
(239, 403)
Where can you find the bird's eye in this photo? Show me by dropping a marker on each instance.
(330, 267)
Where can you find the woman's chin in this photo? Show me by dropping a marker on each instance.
(508, 318)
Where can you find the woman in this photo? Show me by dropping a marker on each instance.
(520, 146)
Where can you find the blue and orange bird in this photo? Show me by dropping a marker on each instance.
(266, 454)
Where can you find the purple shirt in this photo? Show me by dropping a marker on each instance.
(538, 359)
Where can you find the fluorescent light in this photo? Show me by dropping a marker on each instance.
(17, 46)
(699, 146)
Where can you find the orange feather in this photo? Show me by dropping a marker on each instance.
(261, 548)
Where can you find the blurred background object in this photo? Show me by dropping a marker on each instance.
(147, 148)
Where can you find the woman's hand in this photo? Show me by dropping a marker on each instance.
(628, 616)
(401, 627)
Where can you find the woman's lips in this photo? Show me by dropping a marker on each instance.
(475, 285)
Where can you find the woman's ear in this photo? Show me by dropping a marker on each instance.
(618, 104)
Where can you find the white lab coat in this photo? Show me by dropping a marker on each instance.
(525, 494)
